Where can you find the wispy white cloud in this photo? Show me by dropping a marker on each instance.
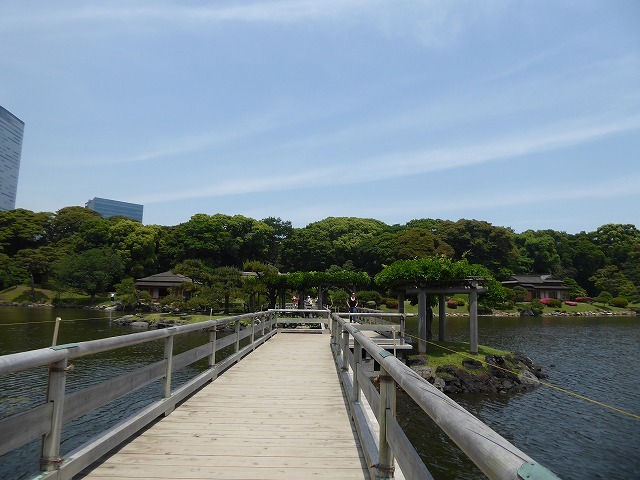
(432, 22)
(507, 147)
(180, 147)
(400, 165)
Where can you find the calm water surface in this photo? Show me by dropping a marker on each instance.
(595, 357)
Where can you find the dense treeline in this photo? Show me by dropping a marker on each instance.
(45, 248)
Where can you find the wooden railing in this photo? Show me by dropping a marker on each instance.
(60, 408)
(289, 317)
(494, 455)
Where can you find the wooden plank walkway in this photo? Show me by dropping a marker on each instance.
(278, 414)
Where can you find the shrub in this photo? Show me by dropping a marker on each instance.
(506, 305)
(484, 309)
(452, 303)
(391, 303)
(536, 306)
(551, 302)
(366, 296)
(571, 304)
(604, 297)
(619, 302)
(584, 299)
(520, 293)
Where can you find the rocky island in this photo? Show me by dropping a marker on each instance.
(515, 373)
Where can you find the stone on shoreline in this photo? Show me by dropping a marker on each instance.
(497, 374)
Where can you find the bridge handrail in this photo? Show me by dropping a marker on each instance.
(16, 362)
(492, 453)
(46, 420)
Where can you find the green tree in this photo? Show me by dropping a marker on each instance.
(420, 242)
(78, 228)
(586, 258)
(92, 271)
(332, 241)
(520, 293)
(20, 229)
(616, 241)
(281, 231)
(227, 282)
(536, 306)
(37, 263)
(610, 279)
(220, 240)
(197, 270)
(136, 245)
(270, 277)
(575, 290)
(604, 298)
(481, 243)
(129, 296)
(541, 249)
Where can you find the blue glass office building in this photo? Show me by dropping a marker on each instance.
(11, 130)
(114, 208)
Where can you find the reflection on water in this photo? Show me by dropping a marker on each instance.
(594, 357)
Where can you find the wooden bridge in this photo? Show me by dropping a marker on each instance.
(296, 406)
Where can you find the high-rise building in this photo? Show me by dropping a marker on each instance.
(114, 208)
(11, 130)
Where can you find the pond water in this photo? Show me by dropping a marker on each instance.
(595, 357)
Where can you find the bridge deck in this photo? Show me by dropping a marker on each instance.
(278, 414)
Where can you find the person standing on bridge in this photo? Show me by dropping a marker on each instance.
(352, 303)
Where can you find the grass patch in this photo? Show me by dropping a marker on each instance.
(22, 294)
(179, 318)
(453, 353)
(579, 308)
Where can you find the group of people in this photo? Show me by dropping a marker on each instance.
(352, 303)
(308, 302)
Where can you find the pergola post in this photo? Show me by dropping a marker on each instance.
(422, 321)
(442, 314)
(400, 302)
(473, 319)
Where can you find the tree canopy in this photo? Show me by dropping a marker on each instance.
(345, 251)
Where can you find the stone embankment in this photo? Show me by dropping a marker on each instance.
(140, 323)
(508, 374)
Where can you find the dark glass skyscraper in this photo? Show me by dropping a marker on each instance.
(114, 208)
(11, 130)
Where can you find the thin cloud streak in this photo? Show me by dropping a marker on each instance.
(428, 22)
(403, 165)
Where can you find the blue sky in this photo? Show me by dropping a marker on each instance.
(525, 114)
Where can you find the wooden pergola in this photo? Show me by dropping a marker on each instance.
(471, 286)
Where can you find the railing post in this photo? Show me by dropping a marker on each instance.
(385, 466)
(237, 336)
(442, 318)
(263, 321)
(253, 333)
(50, 455)
(357, 360)
(213, 339)
(345, 348)
(168, 358)
(332, 329)
(473, 319)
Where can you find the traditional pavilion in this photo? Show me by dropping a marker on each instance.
(158, 285)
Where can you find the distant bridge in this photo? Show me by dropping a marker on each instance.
(284, 404)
